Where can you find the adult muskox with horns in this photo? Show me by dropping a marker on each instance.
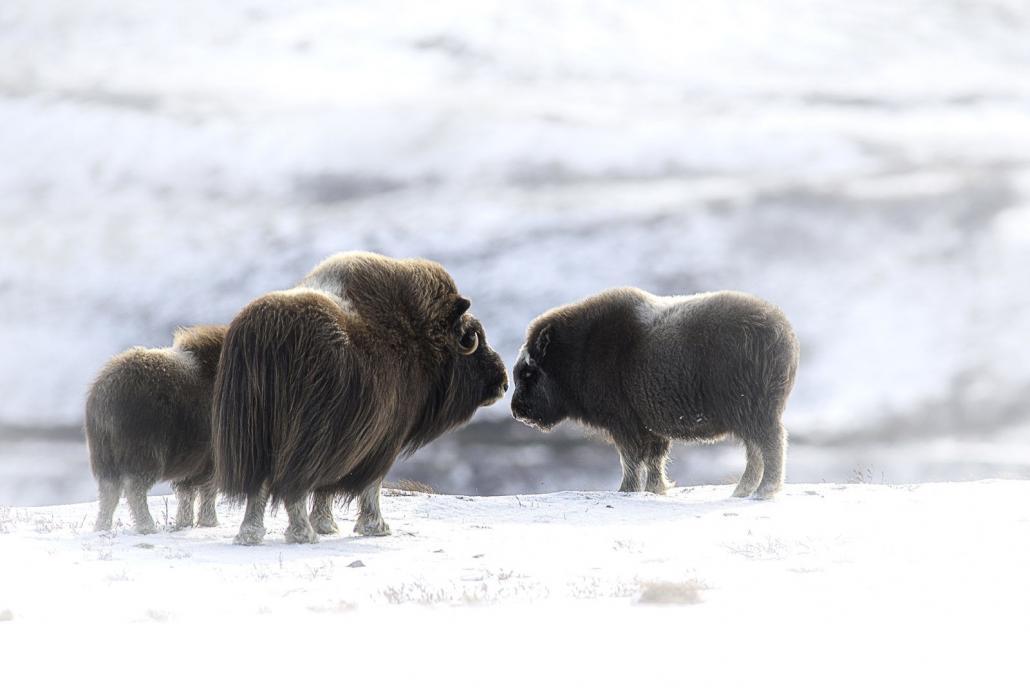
(321, 387)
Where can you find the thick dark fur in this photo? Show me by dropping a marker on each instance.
(647, 370)
(148, 418)
(321, 387)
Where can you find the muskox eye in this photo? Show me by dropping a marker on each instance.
(469, 342)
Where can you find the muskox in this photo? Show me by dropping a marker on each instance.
(148, 418)
(321, 387)
(646, 369)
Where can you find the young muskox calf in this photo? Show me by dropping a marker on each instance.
(321, 387)
(148, 418)
(648, 369)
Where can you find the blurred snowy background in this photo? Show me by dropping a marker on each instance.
(864, 165)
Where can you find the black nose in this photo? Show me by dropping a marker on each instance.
(504, 385)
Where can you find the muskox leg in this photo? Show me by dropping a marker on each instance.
(632, 468)
(300, 530)
(753, 473)
(657, 480)
(322, 514)
(370, 518)
(774, 449)
(136, 494)
(208, 516)
(252, 530)
(110, 493)
(185, 496)
(641, 453)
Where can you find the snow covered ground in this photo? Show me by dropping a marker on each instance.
(825, 584)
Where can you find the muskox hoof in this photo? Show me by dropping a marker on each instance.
(250, 535)
(742, 492)
(766, 492)
(146, 529)
(660, 488)
(373, 528)
(325, 525)
(207, 521)
(182, 525)
(301, 536)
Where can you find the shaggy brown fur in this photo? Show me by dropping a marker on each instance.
(148, 418)
(321, 387)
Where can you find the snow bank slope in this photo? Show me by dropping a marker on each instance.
(870, 573)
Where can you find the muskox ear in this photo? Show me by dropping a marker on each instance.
(543, 340)
(458, 309)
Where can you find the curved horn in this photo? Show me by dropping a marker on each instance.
(471, 349)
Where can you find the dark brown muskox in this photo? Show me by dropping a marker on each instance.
(148, 418)
(321, 387)
(647, 369)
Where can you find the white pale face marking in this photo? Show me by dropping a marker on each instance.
(525, 357)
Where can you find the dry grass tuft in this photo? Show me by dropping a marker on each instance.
(410, 486)
(669, 592)
(6, 520)
(159, 615)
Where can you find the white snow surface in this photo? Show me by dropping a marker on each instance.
(826, 584)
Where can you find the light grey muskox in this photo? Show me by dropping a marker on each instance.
(647, 369)
(320, 388)
(148, 418)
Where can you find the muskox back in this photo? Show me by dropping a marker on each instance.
(735, 358)
(146, 416)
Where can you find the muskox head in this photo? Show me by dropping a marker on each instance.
(470, 375)
(538, 399)
(478, 371)
(412, 311)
